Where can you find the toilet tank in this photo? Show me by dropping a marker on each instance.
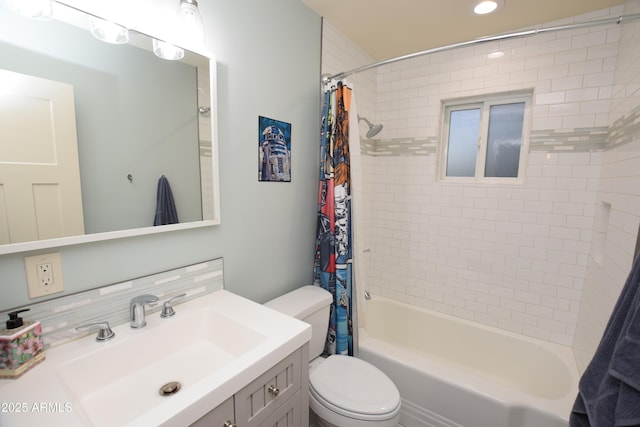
(311, 305)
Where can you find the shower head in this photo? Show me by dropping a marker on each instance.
(373, 129)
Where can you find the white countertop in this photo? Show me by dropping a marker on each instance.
(41, 398)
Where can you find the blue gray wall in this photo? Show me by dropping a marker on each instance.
(268, 56)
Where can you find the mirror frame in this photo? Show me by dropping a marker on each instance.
(35, 245)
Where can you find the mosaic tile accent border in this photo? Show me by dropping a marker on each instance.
(622, 131)
(367, 146)
(574, 140)
(625, 129)
(399, 147)
(60, 316)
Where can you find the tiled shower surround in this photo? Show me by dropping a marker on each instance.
(509, 256)
(535, 258)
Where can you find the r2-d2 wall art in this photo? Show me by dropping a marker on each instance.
(274, 150)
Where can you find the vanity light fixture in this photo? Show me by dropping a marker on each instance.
(37, 9)
(190, 21)
(166, 50)
(188, 29)
(484, 7)
(109, 32)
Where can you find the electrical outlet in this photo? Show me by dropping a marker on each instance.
(44, 274)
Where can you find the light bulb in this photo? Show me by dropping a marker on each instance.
(166, 50)
(191, 28)
(109, 32)
(37, 9)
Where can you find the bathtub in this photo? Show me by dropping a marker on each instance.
(453, 372)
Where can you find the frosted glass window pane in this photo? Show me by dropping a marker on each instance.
(504, 140)
(464, 126)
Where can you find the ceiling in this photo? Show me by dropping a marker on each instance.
(390, 28)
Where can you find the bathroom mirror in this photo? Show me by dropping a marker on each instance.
(137, 118)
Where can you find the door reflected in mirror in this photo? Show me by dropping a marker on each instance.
(137, 118)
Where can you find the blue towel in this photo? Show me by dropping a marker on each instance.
(165, 206)
(609, 392)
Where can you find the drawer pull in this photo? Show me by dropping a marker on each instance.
(229, 424)
(274, 391)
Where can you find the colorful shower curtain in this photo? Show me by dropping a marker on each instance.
(333, 258)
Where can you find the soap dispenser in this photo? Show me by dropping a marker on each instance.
(21, 346)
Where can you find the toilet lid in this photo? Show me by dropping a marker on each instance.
(355, 386)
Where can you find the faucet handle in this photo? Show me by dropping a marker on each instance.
(167, 308)
(104, 334)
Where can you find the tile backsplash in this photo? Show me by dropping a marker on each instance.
(60, 316)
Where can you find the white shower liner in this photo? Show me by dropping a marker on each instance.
(453, 372)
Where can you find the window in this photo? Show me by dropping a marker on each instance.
(485, 139)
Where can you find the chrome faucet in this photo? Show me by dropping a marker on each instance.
(136, 309)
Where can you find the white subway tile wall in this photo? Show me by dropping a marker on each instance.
(513, 257)
(571, 73)
(517, 256)
(618, 198)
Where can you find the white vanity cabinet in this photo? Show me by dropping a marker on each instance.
(276, 398)
(221, 416)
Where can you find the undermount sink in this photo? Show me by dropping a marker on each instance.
(120, 380)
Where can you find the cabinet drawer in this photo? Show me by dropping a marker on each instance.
(267, 393)
(288, 415)
(218, 416)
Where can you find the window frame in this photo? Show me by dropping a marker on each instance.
(485, 102)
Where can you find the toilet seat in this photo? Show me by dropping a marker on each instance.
(354, 388)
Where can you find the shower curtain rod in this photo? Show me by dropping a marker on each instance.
(525, 33)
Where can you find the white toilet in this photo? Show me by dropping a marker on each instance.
(343, 391)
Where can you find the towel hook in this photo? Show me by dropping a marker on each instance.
(130, 178)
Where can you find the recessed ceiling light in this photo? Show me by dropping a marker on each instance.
(487, 6)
